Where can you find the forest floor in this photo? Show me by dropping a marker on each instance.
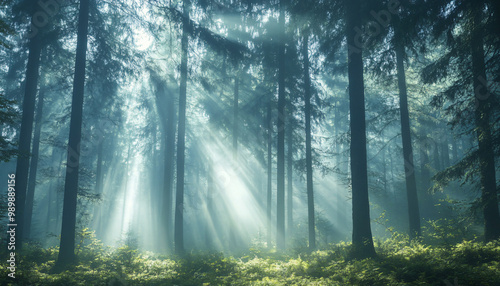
(398, 263)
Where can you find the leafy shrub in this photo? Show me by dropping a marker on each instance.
(447, 231)
(399, 262)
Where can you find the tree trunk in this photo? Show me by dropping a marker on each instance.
(67, 248)
(424, 161)
(362, 235)
(454, 151)
(23, 159)
(269, 171)
(309, 170)
(289, 172)
(168, 177)
(165, 98)
(233, 241)
(235, 118)
(169, 161)
(391, 159)
(169, 170)
(179, 196)
(99, 172)
(384, 171)
(58, 201)
(209, 234)
(427, 205)
(125, 188)
(436, 158)
(411, 183)
(98, 187)
(50, 220)
(30, 195)
(154, 191)
(107, 156)
(280, 194)
(483, 99)
(445, 150)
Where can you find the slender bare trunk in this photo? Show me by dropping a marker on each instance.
(362, 235)
(179, 196)
(30, 195)
(309, 170)
(67, 248)
(23, 158)
(280, 201)
(411, 183)
(269, 171)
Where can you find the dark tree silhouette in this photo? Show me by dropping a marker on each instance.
(280, 214)
(309, 170)
(489, 193)
(361, 230)
(410, 178)
(23, 157)
(34, 160)
(179, 196)
(67, 247)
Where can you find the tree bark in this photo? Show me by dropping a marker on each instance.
(483, 98)
(179, 196)
(269, 171)
(235, 118)
(23, 159)
(209, 234)
(165, 98)
(67, 247)
(384, 171)
(427, 200)
(233, 240)
(50, 220)
(169, 163)
(309, 170)
(232, 224)
(436, 158)
(445, 150)
(362, 235)
(168, 176)
(280, 194)
(30, 195)
(99, 186)
(454, 151)
(56, 226)
(411, 183)
(289, 173)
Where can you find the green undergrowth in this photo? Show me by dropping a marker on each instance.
(398, 263)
